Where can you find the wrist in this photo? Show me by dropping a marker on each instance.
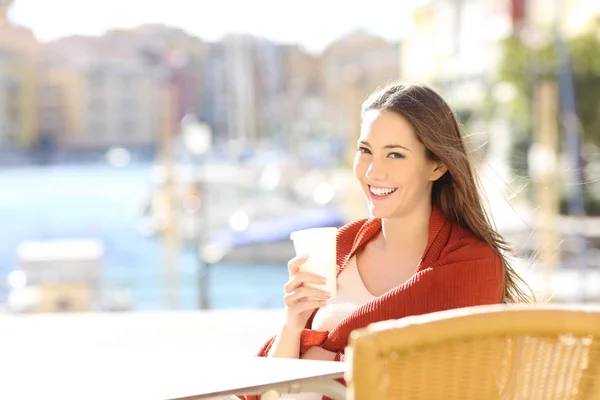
(291, 330)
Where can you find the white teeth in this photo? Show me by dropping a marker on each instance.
(381, 191)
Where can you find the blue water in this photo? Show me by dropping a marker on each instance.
(101, 202)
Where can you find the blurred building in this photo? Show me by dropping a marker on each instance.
(58, 106)
(18, 83)
(91, 100)
(231, 90)
(100, 92)
(269, 74)
(351, 68)
(244, 81)
(448, 47)
(61, 106)
(188, 59)
(121, 106)
(576, 16)
(303, 95)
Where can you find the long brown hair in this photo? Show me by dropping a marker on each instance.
(456, 193)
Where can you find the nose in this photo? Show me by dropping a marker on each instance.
(376, 171)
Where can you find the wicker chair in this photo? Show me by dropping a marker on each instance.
(488, 352)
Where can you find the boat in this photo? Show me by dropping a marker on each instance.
(241, 212)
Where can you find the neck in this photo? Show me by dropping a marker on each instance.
(407, 235)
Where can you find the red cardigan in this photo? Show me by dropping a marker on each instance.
(458, 270)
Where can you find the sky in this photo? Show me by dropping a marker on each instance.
(311, 23)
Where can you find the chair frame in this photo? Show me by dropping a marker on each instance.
(408, 333)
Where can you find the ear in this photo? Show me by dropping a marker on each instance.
(439, 169)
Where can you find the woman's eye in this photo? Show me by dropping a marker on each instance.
(395, 155)
(364, 150)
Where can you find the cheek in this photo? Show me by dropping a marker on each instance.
(410, 177)
(359, 167)
(423, 177)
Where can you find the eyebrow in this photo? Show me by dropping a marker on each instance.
(387, 146)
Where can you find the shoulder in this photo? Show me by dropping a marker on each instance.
(469, 264)
(351, 230)
(357, 233)
(347, 235)
(353, 236)
(464, 245)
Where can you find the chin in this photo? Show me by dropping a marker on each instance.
(380, 212)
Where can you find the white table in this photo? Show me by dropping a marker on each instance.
(259, 375)
(155, 374)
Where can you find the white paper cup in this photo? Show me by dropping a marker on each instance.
(319, 244)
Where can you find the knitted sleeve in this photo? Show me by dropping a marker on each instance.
(308, 339)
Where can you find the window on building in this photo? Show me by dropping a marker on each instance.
(127, 104)
(97, 105)
(517, 13)
(127, 127)
(97, 129)
(96, 77)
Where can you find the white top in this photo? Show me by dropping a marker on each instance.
(351, 295)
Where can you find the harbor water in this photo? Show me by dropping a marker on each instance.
(100, 202)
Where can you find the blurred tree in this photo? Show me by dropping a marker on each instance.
(522, 64)
(586, 69)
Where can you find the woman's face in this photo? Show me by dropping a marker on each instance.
(391, 165)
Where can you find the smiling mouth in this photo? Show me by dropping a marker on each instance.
(381, 191)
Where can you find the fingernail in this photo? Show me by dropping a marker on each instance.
(322, 279)
(323, 302)
(326, 294)
(303, 257)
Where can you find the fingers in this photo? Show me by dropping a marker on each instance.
(302, 306)
(295, 263)
(305, 294)
(300, 278)
(300, 295)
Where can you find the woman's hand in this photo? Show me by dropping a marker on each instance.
(300, 299)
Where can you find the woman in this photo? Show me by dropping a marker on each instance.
(428, 247)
